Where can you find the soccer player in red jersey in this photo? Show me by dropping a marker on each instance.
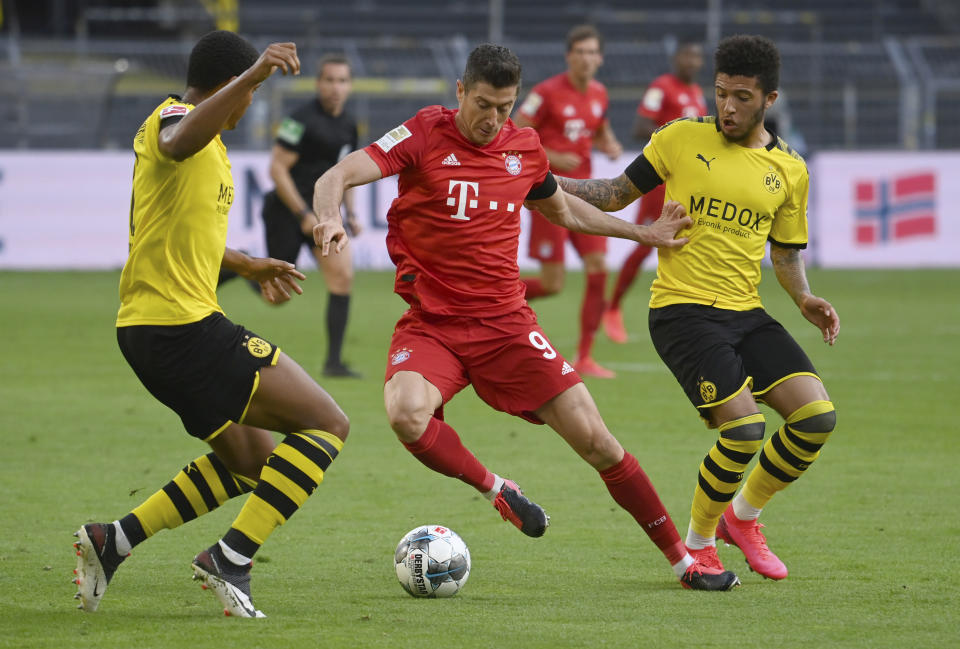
(670, 96)
(569, 111)
(454, 235)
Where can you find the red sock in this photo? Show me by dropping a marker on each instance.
(631, 266)
(534, 287)
(440, 449)
(591, 312)
(632, 489)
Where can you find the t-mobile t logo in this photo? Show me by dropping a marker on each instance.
(461, 202)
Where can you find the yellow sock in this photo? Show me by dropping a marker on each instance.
(292, 472)
(200, 487)
(790, 451)
(722, 471)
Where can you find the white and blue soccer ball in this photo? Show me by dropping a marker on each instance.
(432, 561)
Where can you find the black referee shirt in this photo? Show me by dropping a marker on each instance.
(320, 140)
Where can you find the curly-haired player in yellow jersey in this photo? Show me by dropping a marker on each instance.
(742, 186)
(229, 386)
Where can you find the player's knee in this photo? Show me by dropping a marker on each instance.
(822, 420)
(340, 282)
(745, 429)
(338, 424)
(408, 419)
(552, 284)
(594, 264)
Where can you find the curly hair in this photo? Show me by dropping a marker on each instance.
(493, 64)
(217, 57)
(749, 56)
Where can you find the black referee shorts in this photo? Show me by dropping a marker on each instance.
(205, 371)
(715, 353)
(282, 227)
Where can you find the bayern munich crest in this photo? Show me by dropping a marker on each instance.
(400, 356)
(512, 163)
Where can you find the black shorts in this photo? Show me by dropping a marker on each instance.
(204, 371)
(282, 228)
(716, 353)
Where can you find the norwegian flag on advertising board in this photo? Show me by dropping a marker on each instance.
(895, 208)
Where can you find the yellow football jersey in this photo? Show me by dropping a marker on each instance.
(738, 198)
(178, 228)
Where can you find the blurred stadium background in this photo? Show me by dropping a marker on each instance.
(862, 74)
(869, 90)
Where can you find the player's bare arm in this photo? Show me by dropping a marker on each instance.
(356, 169)
(212, 114)
(277, 278)
(609, 195)
(353, 223)
(576, 214)
(605, 141)
(789, 268)
(281, 161)
(643, 128)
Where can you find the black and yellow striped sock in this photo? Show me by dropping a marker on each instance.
(291, 473)
(790, 451)
(722, 471)
(200, 487)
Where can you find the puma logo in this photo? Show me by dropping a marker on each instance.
(705, 161)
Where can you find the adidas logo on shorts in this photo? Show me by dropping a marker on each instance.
(451, 160)
(567, 368)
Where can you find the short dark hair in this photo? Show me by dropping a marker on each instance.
(333, 58)
(217, 57)
(582, 33)
(749, 56)
(493, 64)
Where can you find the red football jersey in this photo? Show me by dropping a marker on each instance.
(566, 118)
(669, 98)
(454, 229)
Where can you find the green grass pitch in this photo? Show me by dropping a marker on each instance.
(869, 533)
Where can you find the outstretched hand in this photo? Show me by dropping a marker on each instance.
(277, 278)
(822, 314)
(277, 55)
(662, 233)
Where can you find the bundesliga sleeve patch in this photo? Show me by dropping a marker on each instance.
(175, 110)
(290, 131)
(393, 138)
(653, 99)
(532, 104)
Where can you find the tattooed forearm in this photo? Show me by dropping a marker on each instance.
(788, 265)
(608, 195)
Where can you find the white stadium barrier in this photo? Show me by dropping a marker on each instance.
(69, 210)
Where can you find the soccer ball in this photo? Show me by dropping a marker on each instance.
(432, 561)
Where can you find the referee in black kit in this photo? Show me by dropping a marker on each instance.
(311, 140)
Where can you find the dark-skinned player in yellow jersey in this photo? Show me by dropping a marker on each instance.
(742, 186)
(229, 386)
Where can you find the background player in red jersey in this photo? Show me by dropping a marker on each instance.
(453, 233)
(569, 111)
(670, 96)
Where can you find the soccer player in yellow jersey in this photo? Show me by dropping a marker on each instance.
(229, 386)
(742, 186)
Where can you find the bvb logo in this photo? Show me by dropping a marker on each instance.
(772, 182)
(258, 347)
(708, 391)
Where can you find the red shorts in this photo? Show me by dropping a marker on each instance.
(508, 359)
(547, 239)
(651, 204)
